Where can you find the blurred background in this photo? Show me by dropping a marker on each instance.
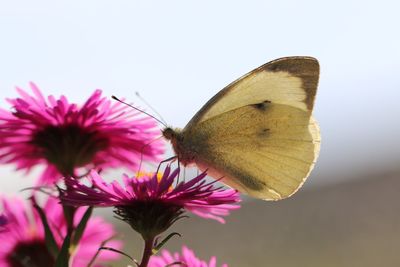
(178, 54)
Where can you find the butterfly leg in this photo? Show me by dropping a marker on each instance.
(165, 160)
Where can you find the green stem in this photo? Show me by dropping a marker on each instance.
(147, 252)
(65, 253)
(69, 214)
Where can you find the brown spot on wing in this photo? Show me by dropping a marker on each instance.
(262, 106)
(264, 132)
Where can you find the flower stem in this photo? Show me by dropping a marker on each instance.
(147, 251)
(69, 214)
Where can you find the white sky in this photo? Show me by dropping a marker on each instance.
(178, 54)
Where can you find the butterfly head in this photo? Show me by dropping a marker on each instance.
(171, 134)
(181, 145)
(175, 136)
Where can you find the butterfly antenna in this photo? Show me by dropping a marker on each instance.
(153, 109)
(138, 109)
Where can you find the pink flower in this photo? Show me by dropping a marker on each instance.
(151, 204)
(23, 243)
(64, 136)
(186, 259)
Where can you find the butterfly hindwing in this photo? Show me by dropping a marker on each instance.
(265, 150)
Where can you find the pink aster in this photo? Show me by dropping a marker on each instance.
(23, 243)
(187, 259)
(65, 136)
(151, 204)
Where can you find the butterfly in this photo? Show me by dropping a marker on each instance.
(258, 133)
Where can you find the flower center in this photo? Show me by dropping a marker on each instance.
(68, 146)
(30, 254)
(149, 218)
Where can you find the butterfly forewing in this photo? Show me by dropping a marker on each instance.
(291, 81)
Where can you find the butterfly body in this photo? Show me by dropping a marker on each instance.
(258, 133)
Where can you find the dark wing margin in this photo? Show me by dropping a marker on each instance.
(306, 68)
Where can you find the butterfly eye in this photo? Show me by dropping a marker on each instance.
(169, 133)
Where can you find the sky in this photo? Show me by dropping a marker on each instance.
(178, 54)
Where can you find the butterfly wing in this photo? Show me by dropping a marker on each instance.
(266, 152)
(291, 80)
(258, 132)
